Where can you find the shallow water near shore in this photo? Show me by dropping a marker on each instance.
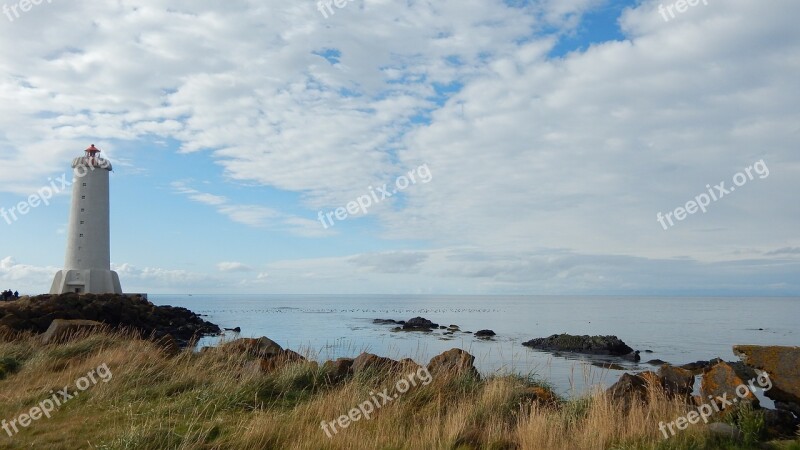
(676, 330)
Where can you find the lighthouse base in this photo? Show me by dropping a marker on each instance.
(88, 281)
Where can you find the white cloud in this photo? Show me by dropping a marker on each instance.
(233, 267)
(576, 153)
(254, 215)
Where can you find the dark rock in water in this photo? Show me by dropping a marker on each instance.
(387, 322)
(698, 367)
(442, 327)
(648, 351)
(115, 311)
(454, 327)
(235, 330)
(632, 356)
(593, 345)
(419, 324)
(485, 333)
(656, 362)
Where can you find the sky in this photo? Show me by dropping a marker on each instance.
(537, 147)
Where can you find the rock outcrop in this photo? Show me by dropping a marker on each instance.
(782, 364)
(35, 314)
(593, 345)
(419, 324)
(677, 382)
(453, 362)
(722, 381)
(368, 361)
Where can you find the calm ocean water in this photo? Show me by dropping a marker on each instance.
(677, 330)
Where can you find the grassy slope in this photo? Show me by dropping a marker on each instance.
(207, 401)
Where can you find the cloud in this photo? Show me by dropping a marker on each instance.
(533, 150)
(254, 215)
(390, 262)
(233, 267)
(786, 251)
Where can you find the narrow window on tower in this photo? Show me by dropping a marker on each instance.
(81, 235)
(83, 197)
(84, 184)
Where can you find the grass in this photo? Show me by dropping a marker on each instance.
(213, 400)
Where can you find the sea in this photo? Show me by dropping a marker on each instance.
(677, 330)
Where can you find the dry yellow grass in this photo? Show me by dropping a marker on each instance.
(208, 401)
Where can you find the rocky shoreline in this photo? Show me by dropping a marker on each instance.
(37, 314)
(64, 317)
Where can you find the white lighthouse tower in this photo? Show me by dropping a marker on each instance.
(87, 266)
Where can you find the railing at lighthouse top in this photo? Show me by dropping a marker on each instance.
(92, 160)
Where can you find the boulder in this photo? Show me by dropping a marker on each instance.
(593, 345)
(338, 370)
(290, 356)
(780, 424)
(485, 333)
(677, 382)
(419, 324)
(64, 330)
(262, 347)
(453, 362)
(722, 381)
(634, 387)
(699, 367)
(270, 363)
(656, 362)
(632, 356)
(387, 322)
(367, 361)
(782, 364)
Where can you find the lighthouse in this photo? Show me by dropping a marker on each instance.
(87, 266)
